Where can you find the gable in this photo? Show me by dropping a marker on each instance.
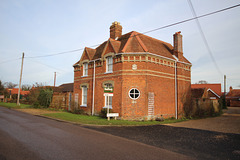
(90, 52)
(108, 49)
(211, 93)
(84, 56)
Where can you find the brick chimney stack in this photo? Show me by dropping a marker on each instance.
(177, 45)
(115, 30)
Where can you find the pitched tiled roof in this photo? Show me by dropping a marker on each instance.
(197, 92)
(15, 91)
(134, 42)
(68, 87)
(99, 50)
(234, 93)
(214, 87)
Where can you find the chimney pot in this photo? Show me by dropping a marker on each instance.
(177, 45)
(115, 30)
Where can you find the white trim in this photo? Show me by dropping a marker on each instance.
(110, 107)
(108, 72)
(93, 87)
(131, 97)
(175, 57)
(83, 88)
(209, 89)
(109, 64)
(85, 69)
(105, 101)
(176, 91)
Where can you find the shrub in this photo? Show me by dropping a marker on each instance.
(160, 119)
(36, 105)
(103, 113)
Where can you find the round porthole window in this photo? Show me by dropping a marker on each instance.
(134, 93)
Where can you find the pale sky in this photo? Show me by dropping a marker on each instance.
(45, 27)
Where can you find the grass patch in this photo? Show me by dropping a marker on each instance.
(95, 120)
(14, 105)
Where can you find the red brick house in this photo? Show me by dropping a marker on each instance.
(233, 97)
(147, 77)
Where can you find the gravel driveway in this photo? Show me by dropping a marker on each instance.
(229, 122)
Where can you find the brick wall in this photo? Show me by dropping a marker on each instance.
(152, 74)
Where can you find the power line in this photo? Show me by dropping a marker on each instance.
(48, 66)
(190, 19)
(204, 37)
(166, 26)
(55, 54)
(9, 60)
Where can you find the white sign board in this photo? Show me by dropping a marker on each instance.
(112, 114)
(108, 94)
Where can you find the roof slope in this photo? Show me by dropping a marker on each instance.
(134, 42)
(234, 93)
(214, 87)
(197, 92)
(68, 87)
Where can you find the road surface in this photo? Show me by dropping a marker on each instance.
(29, 137)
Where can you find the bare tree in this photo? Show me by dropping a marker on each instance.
(202, 82)
(3, 91)
(10, 85)
(26, 87)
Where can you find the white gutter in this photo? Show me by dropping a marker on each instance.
(93, 87)
(176, 96)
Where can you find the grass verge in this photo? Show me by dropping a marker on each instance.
(95, 120)
(14, 105)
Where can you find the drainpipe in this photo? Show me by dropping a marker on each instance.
(93, 87)
(176, 95)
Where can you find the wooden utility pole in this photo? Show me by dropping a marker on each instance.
(54, 79)
(224, 84)
(224, 101)
(20, 81)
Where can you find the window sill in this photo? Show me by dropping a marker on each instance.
(108, 72)
(105, 107)
(83, 105)
(84, 76)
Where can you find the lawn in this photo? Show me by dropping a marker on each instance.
(95, 120)
(85, 119)
(14, 105)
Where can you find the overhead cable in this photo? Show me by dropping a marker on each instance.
(204, 37)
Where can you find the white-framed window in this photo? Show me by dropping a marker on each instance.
(134, 93)
(84, 96)
(108, 98)
(108, 101)
(109, 64)
(85, 69)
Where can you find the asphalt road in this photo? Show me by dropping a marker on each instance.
(28, 137)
